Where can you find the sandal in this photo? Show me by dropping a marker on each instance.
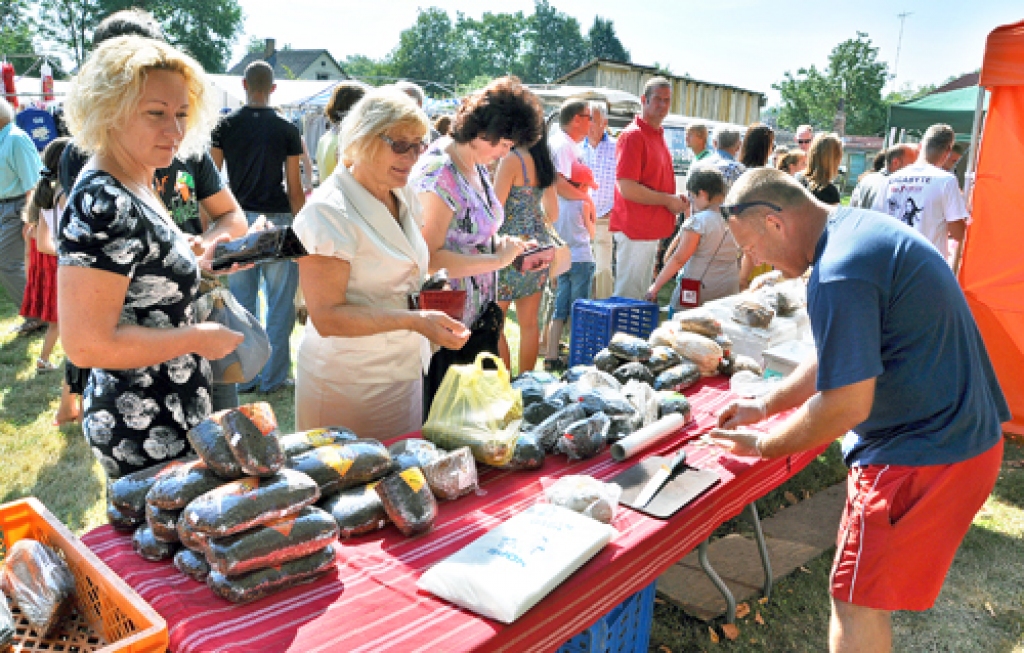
(45, 366)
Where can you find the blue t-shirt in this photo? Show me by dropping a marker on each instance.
(883, 303)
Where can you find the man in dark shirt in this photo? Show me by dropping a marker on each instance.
(262, 151)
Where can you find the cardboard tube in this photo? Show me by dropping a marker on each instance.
(647, 436)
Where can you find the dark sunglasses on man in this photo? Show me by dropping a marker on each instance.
(730, 210)
(401, 147)
(803, 141)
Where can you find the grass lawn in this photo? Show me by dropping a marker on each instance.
(981, 607)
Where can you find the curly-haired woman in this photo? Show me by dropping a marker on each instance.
(462, 214)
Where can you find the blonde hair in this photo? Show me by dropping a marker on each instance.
(380, 110)
(108, 89)
(823, 160)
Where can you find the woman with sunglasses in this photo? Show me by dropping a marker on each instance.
(462, 213)
(364, 352)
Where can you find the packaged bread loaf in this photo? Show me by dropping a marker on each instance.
(163, 523)
(6, 625)
(189, 538)
(584, 438)
(357, 510)
(340, 466)
(192, 564)
(39, 583)
(413, 452)
(272, 544)
(250, 502)
(408, 501)
(262, 582)
(299, 443)
(452, 475)
(128, 493)
(678, 378)
(149, 547)
(175, 488)
(528, 454)
(207, 438)
(121, 521)
(254, 444)
(629, 348)
(703, 352)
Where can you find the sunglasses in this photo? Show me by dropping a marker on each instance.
(803, 141)
(735, 209)
(401, 147)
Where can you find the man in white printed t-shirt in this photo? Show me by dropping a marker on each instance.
(926, 197)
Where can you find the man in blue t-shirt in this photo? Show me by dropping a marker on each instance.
(900, 370)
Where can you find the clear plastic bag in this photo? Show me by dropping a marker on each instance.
(250, 502)
(273, 544)
(258, 584)
(296, 444)
(413, 452)
(40, 584)
(452, 475)
(585, 438)
(6, 624)
(357, 510)
(585, 495)
(408, 501)
(476, 408)
(644, 399)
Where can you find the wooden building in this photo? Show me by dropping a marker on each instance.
(690, 97)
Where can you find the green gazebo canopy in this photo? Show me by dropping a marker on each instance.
(955, 108)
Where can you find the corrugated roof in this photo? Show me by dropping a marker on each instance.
(564, 79)
(283, 61)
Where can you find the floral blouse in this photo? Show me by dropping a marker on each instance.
(473, 227)
(137, 418)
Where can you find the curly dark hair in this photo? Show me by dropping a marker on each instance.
(503, 109)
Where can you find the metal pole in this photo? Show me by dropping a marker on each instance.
(899, 45)
(979, 114)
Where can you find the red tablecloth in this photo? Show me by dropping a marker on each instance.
(372, 603)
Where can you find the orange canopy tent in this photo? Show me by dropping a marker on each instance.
(992, 270)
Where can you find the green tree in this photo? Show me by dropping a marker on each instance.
(854, 73)
(603, 42)
(426, 51)
(490, 47)
(206, 29)
(375, 72)
(256, 45)
(555, 44)
(16, 31)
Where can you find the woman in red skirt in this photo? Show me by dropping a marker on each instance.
(41, 214)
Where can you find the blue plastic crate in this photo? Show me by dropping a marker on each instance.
(626, 629)
(595, 321)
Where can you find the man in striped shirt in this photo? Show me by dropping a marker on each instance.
(599, 155)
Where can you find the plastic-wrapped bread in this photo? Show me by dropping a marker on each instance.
(753, 313)
(273, 544)
(208, 440)
(341, 466)
(585, 495)
(176, 488)
(662, 358)
(528, 454)
(585, 438)
(703, 352)
(357, 510)
(633, 372)
(121, 521)
(250, 502)
(254, 444)
(6, 625)
(606, 361)
(192, 564)
(698, 321)
(128, 493)
(262, 582)
(452, 475)
(629, 348)
(408, 501)
(150, 548)
(677, 378)
(295, 444)
(673, 402)
(548, 431)
(163, 523)
(413, 452)
(39, 583)
(191, 539)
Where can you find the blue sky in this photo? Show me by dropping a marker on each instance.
(745, 43)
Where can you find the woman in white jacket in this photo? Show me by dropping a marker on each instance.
(364, 352)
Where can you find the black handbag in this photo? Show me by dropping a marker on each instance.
(268, 246)
(484, 335)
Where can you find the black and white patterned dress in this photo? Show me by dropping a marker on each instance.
(137, 418)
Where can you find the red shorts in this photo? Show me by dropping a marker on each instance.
(902, 526)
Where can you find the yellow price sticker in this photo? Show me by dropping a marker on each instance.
(317, 438)
(331, 456)
(413, 477)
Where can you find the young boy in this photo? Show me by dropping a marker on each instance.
(703, 249)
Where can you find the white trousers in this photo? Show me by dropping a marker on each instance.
(634, 266)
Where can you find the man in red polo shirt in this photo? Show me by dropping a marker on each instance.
(645, 201)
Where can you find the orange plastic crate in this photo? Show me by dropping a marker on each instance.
(109, 617)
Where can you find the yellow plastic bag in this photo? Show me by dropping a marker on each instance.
(477, 408)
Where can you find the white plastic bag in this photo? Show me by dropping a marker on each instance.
(585, 495)
(507, 571)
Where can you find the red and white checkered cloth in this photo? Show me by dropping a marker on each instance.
(372, 602)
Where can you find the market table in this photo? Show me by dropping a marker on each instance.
(372, 603)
